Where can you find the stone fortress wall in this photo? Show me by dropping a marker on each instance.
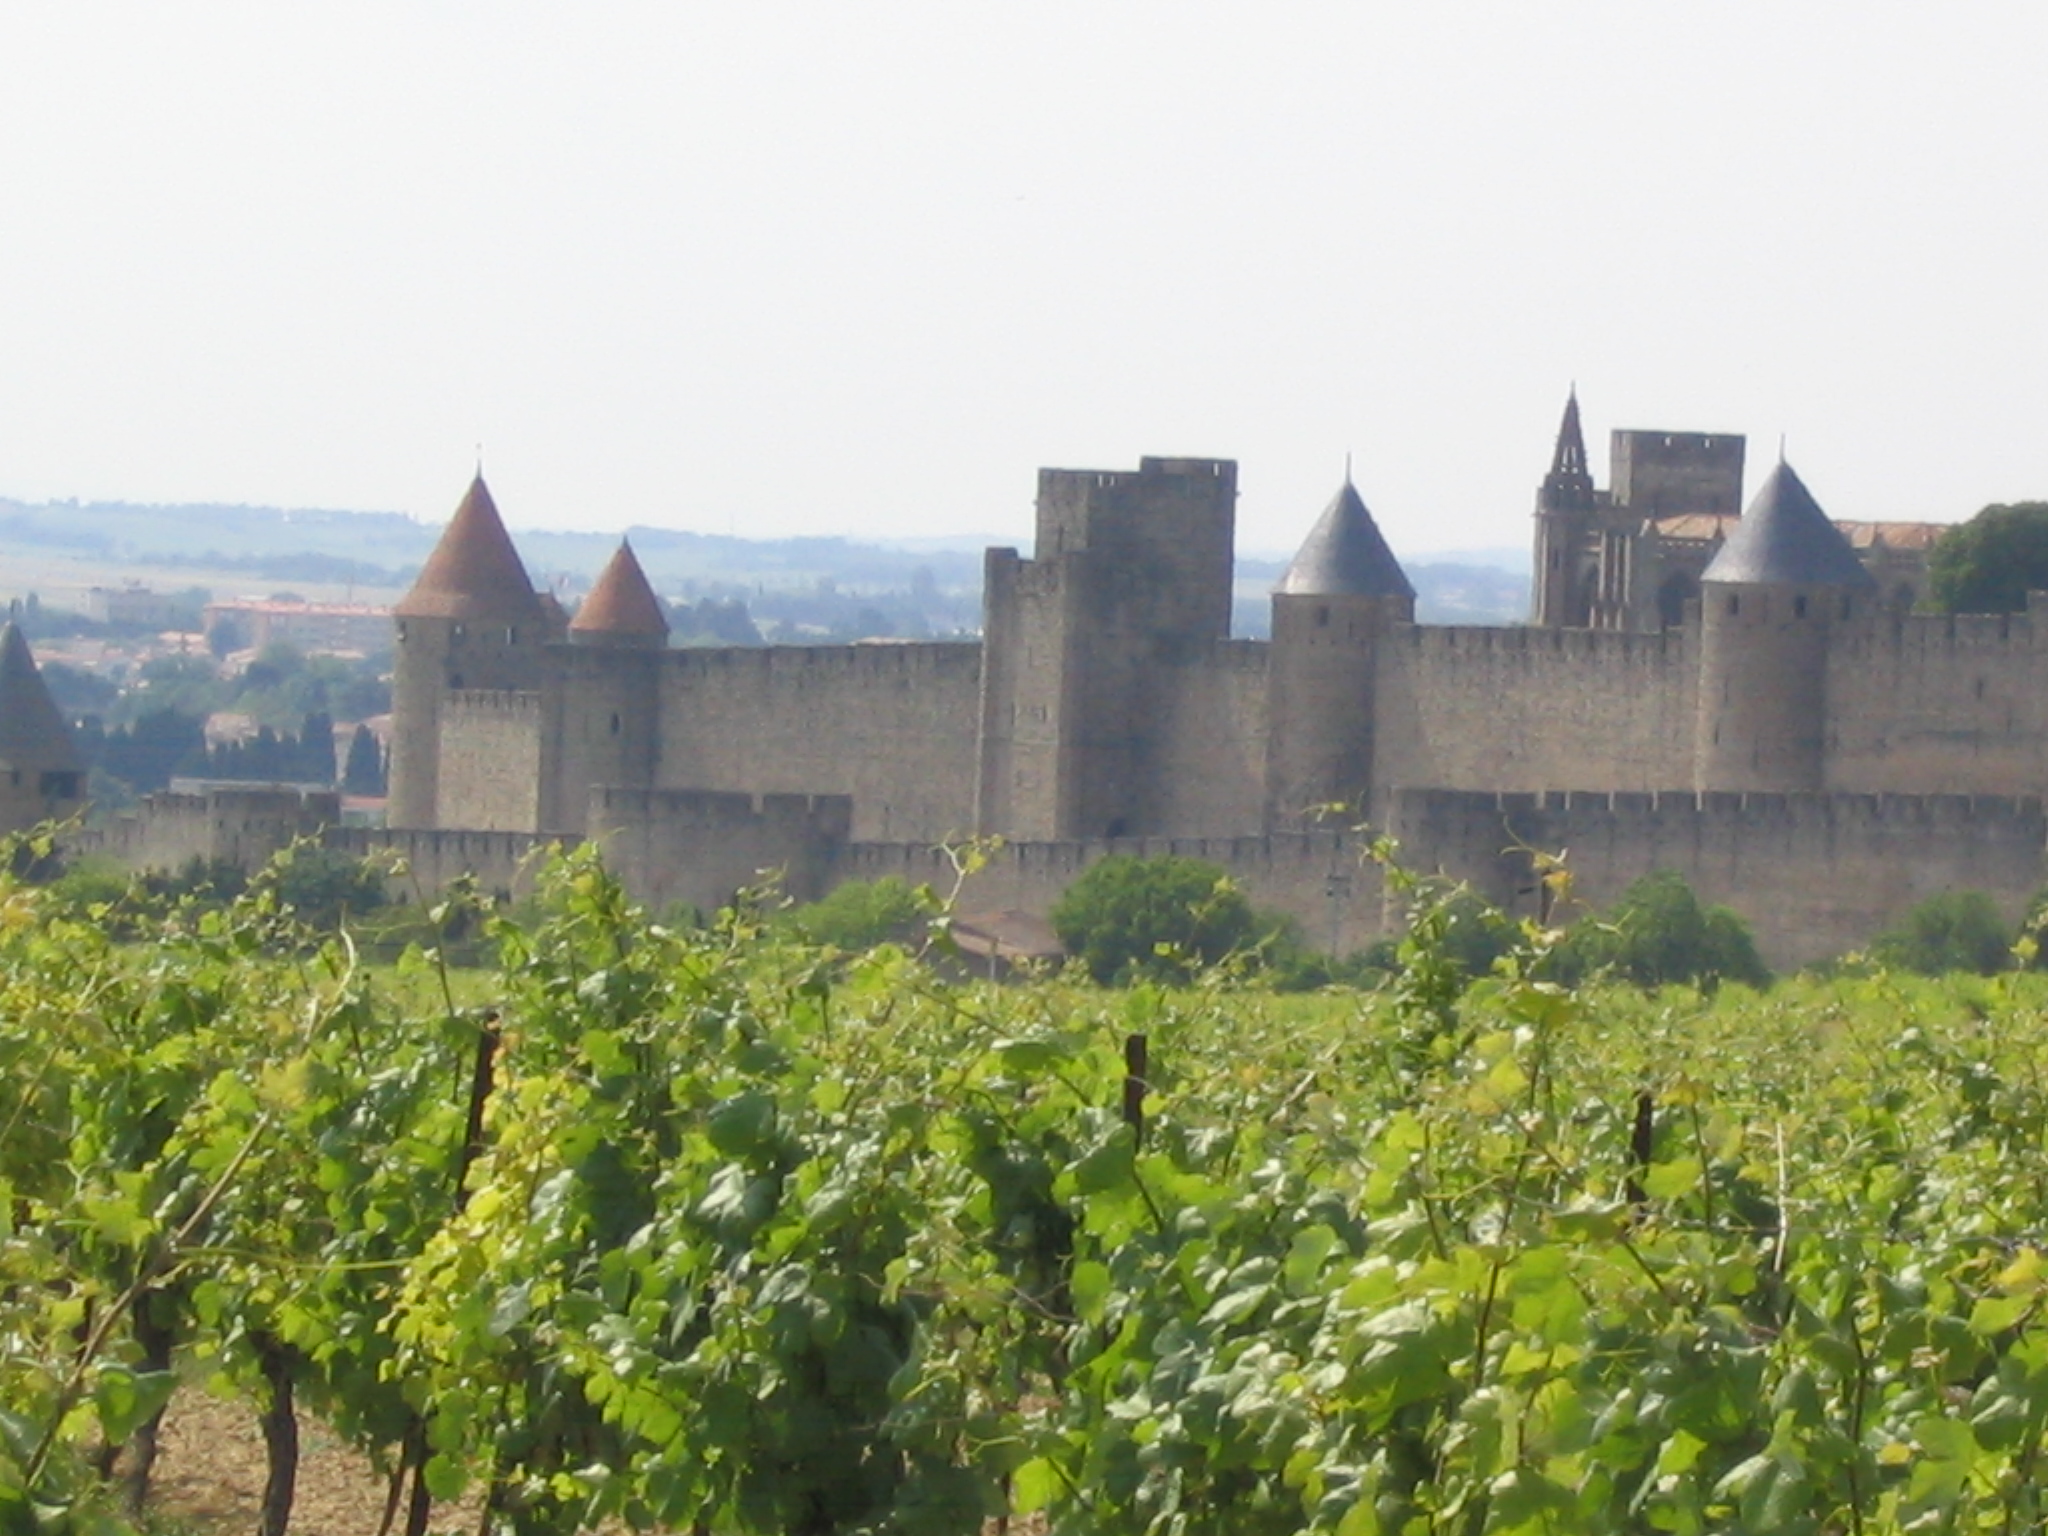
(1786, 740)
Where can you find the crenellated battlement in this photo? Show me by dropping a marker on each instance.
(511, 702)
(1528, 640)
(770, 665)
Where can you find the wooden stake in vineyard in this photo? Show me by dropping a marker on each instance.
(1134, 1085)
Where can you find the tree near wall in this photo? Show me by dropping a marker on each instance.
(1128, 917)
(1952, 931)
(1657, 934)
(1991, 563)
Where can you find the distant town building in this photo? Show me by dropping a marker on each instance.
(255, 623)
(131, 605)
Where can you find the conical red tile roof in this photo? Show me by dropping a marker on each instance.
(622, 602)
(33, 734)
(474, 573)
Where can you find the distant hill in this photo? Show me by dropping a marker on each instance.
(385, 549)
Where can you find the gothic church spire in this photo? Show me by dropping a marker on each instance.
(1570, 481)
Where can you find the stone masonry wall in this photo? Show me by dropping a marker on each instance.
(490, 761)
(1932, 704)
(1207, 769)
(894, 726)
(1532, 709)
(1814, 875)
(504, 864)
(702, 848)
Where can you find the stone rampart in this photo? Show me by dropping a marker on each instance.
(892, 726)
(1814, 875)
(1933, 704)
(701, 847)
(1475, 708)
(490, 760)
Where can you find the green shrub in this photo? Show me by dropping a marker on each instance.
(1954, 931)
(1161, 918)
(1658, 934)
(863, 913)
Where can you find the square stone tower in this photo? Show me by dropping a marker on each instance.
(1131, 574)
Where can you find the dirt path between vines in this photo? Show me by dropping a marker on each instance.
(210, 1472)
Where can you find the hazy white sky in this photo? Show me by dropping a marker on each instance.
(862, 268)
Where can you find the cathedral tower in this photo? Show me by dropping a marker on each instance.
(1782, 583)
(1344, 591)
(471, 621)
(1565, 507)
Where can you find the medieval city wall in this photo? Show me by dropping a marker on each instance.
(243, 827)
(893, 726)
(1321, 879)
(1813, 875)
(1206, 768)
(1936, 704)
(1468, 707)
(702, 848)
(503, 864)
(490, 760)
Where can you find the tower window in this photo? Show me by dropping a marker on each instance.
(1799, 606)
(1322, 618)
(615, 725)
(511, 635)
(1734, 605)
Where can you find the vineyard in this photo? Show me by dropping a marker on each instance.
(709, 1231)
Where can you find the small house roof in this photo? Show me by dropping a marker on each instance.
(1345, 556)
(1784, 539)
(474, 573)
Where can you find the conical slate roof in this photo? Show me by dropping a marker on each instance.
(33, 734)
(1785, 539)
(1344, 556)
(474, 573)
(622, 602)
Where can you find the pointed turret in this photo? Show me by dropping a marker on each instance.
(1343, 593)
(472, 623)
(1785, 540)
(1345, 556)
(622, 608)
(1769, 604)
(34, 737)
(474, 573)
(42, 777)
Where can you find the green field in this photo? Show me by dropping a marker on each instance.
(710, 1231)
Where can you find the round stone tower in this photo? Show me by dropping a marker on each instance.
(604, 710)
(471, 621)
(1769, 601)
(1342, 594)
